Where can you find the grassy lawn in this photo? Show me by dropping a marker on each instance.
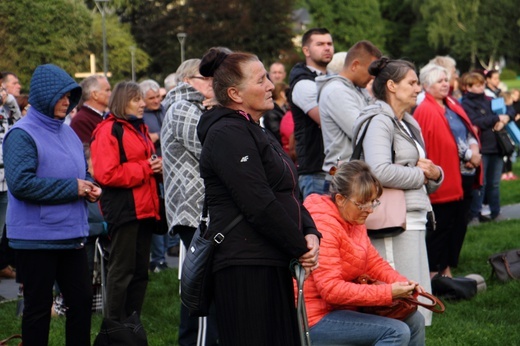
(512, 84)
(491, 318)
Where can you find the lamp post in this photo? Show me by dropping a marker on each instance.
(132, 53)
(101, 5)
(181, 36)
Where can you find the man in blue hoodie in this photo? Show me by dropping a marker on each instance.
(47, 224)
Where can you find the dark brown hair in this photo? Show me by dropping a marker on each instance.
(362, 50)
(227, 70)
(385, 69)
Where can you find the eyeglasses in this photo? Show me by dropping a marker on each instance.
(367, 206)
(201, 78)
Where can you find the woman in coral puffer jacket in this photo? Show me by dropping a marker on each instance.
(332, 297)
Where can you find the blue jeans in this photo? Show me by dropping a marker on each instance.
(161, 244)
(346, 327)
(313, 183)
(492, 165)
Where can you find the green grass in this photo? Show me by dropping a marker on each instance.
(512, 84)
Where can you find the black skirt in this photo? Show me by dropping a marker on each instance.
(255, 306)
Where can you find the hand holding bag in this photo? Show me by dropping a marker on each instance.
(400, 308)
(196, 276)
(389, 219)
(506, 265)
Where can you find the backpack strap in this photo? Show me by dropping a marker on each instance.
(117, 131)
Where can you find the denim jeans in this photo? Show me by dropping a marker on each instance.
(160, 245)
(313, 183)
(492, 165)
(346, 327)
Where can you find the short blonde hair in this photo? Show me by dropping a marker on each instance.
(355, 178)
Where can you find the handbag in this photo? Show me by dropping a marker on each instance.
(456, 288)
(401, 307)
(506, 265)
(11, 338)
(389, 219)
(129, 332)
(196, 276)
(505, 143)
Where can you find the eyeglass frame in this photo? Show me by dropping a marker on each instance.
(367, 206)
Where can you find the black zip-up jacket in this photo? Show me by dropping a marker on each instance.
(478, 109)
(245, 170)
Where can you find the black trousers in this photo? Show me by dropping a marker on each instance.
(444, 244)
(128, 261)
(39, 269)
(195, 330)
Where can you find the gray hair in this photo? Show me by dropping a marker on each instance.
(445, 61)
(170, 81)
(431, 73)
(355, 178)
(148, 85)
(187, 69)
(88, 85)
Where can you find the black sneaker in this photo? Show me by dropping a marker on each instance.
(483, 218)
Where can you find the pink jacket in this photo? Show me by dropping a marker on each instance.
(345, 253)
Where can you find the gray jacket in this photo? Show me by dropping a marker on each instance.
(183, 186)
(384, 134)
(340, 103)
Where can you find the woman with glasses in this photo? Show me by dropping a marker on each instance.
(332, 296)
(394, 149)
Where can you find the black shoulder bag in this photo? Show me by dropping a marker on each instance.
(196, 276)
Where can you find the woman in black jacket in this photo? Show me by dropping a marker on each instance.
(246, 171)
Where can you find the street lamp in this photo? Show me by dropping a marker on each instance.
(181, 36)
(132, 53)
(102, 6)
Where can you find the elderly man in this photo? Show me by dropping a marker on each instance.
(95, 96)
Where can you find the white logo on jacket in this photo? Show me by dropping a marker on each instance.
(245, 158)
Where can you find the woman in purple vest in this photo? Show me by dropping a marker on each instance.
(49, 187)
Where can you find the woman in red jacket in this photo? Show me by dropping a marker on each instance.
(125, 164)
(332, 297)
(451, 142)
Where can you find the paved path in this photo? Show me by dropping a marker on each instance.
(9, 288)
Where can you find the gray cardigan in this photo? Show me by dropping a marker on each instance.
(385, 133)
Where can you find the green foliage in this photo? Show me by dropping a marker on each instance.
(508, 74)
(35, 32)
(262, 28)
(350, 21)
(119, 43)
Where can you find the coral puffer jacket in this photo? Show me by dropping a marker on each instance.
(345, 253)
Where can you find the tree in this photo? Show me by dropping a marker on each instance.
(260, 27)
(349, 21)
(57, 32)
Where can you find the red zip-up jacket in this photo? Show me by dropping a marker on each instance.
(129, 188)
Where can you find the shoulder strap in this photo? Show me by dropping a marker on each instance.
(356, 155)
(117, 131)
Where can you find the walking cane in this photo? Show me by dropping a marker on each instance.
(303, 325)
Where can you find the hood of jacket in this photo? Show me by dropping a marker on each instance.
(323, 80)
(48, 85)
(210, 118)
(379, 107)
(183, 91)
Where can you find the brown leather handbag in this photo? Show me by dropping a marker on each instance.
(400, 308)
